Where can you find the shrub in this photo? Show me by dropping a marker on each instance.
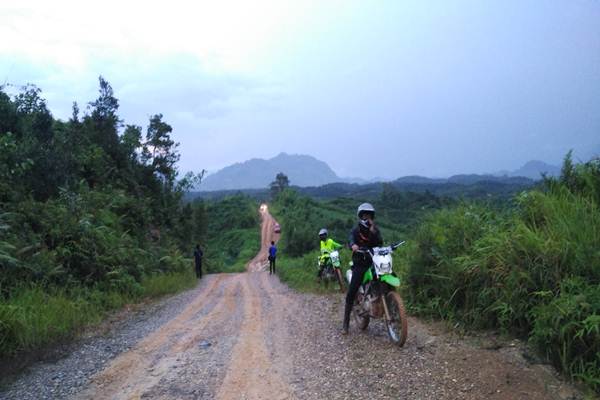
(532, 271)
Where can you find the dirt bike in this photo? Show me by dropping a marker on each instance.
(377, 296)
(331, 269)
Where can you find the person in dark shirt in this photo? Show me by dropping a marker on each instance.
(272, 256)
(364, 236)
(198, 261)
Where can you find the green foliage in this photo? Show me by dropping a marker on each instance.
(531, 271)
(89, 218)
(232, 233)
(406, 208)
(301, 218)
(300, 273)
(280, 183)
(34, 316)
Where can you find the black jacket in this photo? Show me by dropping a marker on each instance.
(198, 255)
(368, 240)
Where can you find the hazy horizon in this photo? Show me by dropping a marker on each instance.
(371, 178)
(385, 89)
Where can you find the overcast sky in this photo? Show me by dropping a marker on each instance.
(373, 88)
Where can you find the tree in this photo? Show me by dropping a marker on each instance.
(280, 184)
(160, 151)
(131, 141)
(103, 123)
(106, 105)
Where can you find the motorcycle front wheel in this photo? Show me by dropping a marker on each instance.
(397, 326)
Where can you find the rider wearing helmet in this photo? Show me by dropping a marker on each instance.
(364, 236)
(327, 246)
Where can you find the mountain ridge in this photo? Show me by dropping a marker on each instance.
(302, 170)
(308, 171)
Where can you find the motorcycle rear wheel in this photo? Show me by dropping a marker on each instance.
(397, 327)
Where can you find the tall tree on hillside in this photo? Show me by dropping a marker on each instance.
(104, 120)
(35, 135)
(131, 141)
(280, 184)
(160, 151)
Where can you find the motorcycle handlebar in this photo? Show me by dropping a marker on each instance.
(393, 246)
(396, 245)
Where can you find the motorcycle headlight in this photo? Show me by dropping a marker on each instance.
(386, 267)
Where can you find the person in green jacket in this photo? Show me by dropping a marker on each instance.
(327, 246)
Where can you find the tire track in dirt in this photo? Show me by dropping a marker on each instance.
(279, 332)
(133, 373)
(252, 373)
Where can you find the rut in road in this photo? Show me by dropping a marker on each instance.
(231, 307)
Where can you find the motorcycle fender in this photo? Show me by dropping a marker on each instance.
(391, 280)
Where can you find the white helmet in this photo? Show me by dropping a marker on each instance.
(365, 207)
(323, 232)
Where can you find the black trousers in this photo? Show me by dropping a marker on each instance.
(361, 263)
(271, 265)
(198, 270)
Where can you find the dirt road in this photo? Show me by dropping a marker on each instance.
(260, 262)
(247, 336)
(230, 313)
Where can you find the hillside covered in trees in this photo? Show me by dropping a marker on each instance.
(91, 215)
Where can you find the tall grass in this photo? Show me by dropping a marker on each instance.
(33, 317)
(533, 271)
(300, 273)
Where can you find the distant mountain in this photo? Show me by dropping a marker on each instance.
(415, 179)
(464, 179)
(302, 170)
(532, 170)
(307, 171)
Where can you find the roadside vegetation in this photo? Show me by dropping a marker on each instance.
(301, 218)
(233, 233)
(91, 217)
(532, 270)
(528, 266)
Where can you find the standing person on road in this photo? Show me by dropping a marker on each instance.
(364, 236)
(272, 256)
(198, 254)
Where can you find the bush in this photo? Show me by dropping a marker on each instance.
(34, 316)
(532, 271)
(301, 219)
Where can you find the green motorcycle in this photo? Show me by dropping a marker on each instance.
(377, 296)
(331, 272)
